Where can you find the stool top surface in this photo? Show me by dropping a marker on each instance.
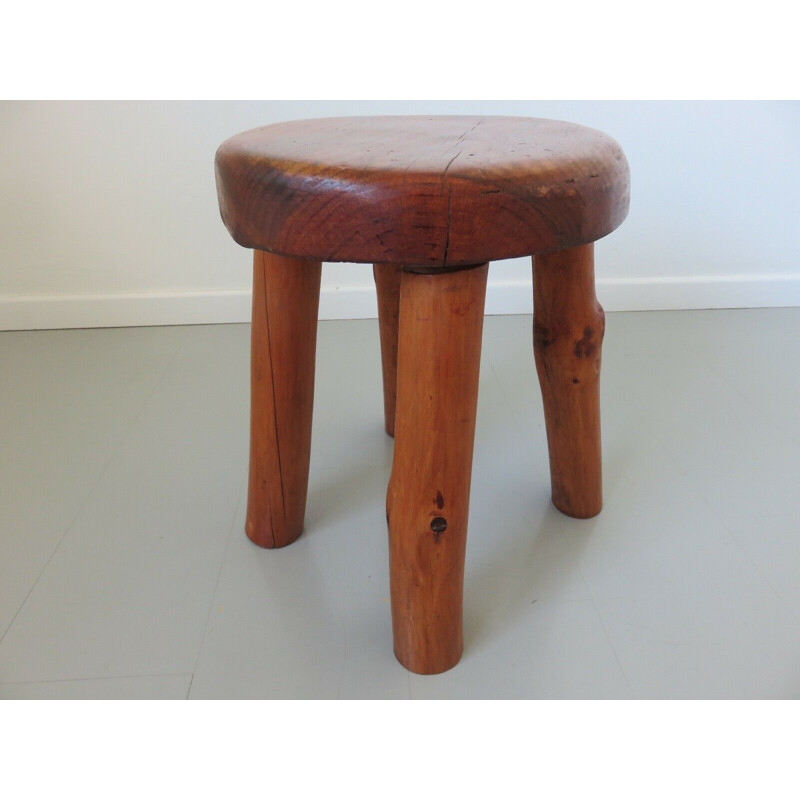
(437, 192)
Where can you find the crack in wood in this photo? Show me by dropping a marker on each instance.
(459, 143)
(274, 411)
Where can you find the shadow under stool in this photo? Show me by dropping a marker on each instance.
(429, 201)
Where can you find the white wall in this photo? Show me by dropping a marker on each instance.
(108, 212)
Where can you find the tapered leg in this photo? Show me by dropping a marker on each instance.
(283, 348)
(568, 326)
(387, 282)
(427, 504)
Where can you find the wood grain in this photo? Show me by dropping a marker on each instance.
(568, 327)
(284, 338)
(436, 191)
(387, 282)
(427, 505)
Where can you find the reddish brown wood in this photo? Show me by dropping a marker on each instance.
(441, 321)
(387, 282)
(444, 194)
(568, 326)
(431, 191)
(284, 337)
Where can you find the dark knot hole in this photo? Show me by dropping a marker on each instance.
(438, 524)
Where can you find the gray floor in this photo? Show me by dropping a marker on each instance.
(125, 572)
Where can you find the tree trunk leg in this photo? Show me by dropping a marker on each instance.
(568, 326)
(387, 282)
(283, 349)
(441, 323)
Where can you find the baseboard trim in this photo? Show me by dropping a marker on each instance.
(358, 302)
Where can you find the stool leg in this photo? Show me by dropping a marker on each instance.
(568, 326)
(441, 322)
(387, 282)
(283, 347)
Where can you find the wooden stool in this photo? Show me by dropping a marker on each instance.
(429, 201)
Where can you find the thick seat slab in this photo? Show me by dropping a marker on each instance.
(433, 192)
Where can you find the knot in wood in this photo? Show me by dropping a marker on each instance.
(438, 524)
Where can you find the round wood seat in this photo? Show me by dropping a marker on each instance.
(433, 192)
